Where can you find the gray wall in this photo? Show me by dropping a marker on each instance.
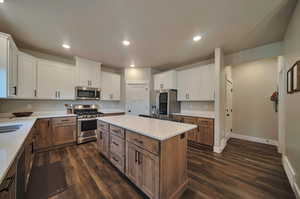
(292, 54)
(253, 112)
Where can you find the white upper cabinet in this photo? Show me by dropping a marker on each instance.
(55, 80)
(88, 72)
(110, 86)
(8, 67)
(27, 67)
(196, 84)
(165, 80)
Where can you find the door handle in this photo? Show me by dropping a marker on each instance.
(136, 156)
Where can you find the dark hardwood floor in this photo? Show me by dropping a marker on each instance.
(244, 170)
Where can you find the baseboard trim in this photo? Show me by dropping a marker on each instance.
(291, 175)
(254, 139)
(219, 149)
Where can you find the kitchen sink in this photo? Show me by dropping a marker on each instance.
(10, 128)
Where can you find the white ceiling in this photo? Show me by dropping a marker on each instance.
(160, 31)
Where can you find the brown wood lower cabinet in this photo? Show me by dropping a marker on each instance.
(8, 186)
(146, 168)
(54, 132)
(103, 138)
(204, 134)
(43, 134)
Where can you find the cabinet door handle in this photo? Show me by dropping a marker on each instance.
(9, 182)
(138, 141)
(58, 94)
(136, 156)
(115, 159)
(115, 143)
(35, 94)
(15, 90)
(140, 158)
(48, 123)
(101, 135)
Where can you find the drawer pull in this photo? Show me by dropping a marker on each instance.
(138, 141)
(115, 143)
(66, 120)
(116, 131)
(9, 182)
(136, 156)
(115, 159)
(140, 159)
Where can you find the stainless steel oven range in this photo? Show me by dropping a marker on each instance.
(86, 122)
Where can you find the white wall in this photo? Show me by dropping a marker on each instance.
(220, 99)
(253, 112)
(292, 102)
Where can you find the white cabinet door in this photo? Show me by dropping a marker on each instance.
(56, 80)
(89, 72)
(66, 78)
(184, 81)
(196, 84)
(165, 80)
(13, 69)
(47, 80)
(110, 86)
(207, 84)
(27, 66)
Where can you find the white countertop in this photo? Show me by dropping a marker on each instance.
(10, 143)
(107, 111)
(154, 128)
(205, 114)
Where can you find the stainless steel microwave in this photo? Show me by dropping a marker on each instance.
(87, 93)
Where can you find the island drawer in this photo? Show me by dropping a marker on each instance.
(144, 142)
(63, 120)
(103, 126)
(117, 161)
(117, 145)
(114, 130)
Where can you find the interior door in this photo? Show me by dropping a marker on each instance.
(228, 110)
(137, 98)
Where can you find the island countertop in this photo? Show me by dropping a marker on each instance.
(154, 128)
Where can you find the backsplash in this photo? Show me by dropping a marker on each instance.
(9, 106)
(197, 106)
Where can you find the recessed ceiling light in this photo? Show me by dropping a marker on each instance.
(1, 1)
(197, 38)
(132, 65)
(64, 45)
(126, 43)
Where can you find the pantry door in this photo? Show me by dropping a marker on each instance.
(137, 98)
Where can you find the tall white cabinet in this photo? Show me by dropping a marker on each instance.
(27, 67)
(8, 67)
(196, 84)
(110, 86)
(165, 80)
(88, 72)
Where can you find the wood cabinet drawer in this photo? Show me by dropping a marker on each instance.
(117, 145)
(146, 143)
(114, 130)
(177, 118)
(118, 161)
(103, 126)
(63, 120)
(205, 122)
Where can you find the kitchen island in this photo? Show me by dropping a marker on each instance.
(152, 153)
